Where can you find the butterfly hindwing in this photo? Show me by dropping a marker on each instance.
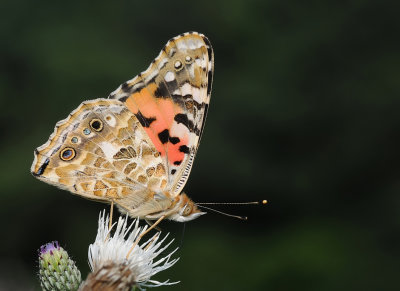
(101, 152)
(170, 99)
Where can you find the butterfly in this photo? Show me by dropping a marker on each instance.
(136, 147)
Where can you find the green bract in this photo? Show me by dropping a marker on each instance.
(56, 270)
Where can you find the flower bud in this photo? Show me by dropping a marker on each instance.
(56, 270)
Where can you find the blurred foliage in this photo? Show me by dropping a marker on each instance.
(304, 113)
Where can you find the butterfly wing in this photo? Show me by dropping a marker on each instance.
(136, 148)
(101, 152)
(170, 99)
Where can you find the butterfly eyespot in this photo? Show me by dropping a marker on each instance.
(178, 65)
(188, 210)
(67, 154)
(96, 124)
(188, 59)
(74, 139)
(86, 131)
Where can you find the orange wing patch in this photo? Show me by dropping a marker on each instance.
(157, 117)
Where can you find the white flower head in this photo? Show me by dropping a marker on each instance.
(141, 263)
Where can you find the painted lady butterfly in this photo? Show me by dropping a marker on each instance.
(137, 147)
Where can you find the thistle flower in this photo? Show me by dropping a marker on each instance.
(56, 270)
(116, 267)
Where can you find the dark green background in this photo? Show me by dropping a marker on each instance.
(304, 113)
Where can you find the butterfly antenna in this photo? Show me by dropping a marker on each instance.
(201, 205)
(263, 202)
(223, 213)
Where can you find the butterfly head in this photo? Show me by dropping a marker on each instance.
(187, 210)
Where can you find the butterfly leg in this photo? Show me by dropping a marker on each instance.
(111, 214)
(111, 218)
(150, 224)
(143, 234)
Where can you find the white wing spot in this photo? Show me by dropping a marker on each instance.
(108, 149)
(201, 63)
(111, 120)
(169, 76)
(162, 62)
(187, 89)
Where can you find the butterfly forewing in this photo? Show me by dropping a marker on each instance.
(170, 99)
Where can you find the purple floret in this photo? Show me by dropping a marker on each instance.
(49, 248)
